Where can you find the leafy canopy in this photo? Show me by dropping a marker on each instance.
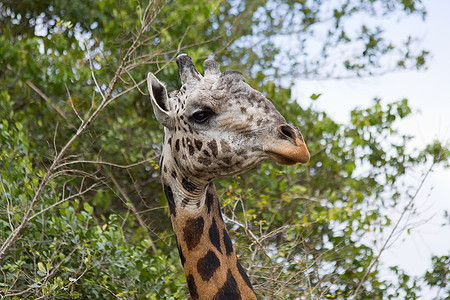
(82, 214)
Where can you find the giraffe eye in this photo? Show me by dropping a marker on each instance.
(202, 116)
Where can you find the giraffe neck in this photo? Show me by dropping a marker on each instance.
(210, 264)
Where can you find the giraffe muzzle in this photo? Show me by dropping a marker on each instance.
(290, 148)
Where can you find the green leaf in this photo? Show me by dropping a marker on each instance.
(41, 267)
(315, 96)
(88, 208)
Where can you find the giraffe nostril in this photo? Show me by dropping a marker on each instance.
(287, 131)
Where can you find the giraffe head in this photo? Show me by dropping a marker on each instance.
(217, 125)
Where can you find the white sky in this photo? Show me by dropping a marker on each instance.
(427, 91)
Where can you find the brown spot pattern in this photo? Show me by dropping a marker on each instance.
(227, 242)
(198, 144)
(207, 265)
(225, 146)
(214, 235)
(193, 231)
(192, 287)
(204, 161)
(227, 160)
(213, 146)
(243, 274)
(229, 290)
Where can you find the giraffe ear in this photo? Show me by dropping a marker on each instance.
(160, 101)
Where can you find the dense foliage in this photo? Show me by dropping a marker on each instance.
(82, 214)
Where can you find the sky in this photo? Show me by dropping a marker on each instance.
(428, 93)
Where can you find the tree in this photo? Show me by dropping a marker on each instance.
(439, 276)
(80, 188)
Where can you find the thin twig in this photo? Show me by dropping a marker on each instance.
(71, 104)
(106, 99)
(132, 207)
(64, 200)
(408, 205)
(98, 162)
(46, 98)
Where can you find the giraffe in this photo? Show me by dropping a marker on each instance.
(216, 125)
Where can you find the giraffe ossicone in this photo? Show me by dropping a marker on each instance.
(216, 125)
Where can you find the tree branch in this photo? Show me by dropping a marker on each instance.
(393, 231)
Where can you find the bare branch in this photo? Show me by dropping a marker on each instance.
(393, 231)
(46, 98)
(106, 99)
(71, 104)
(99, 88)
(98, 162)
(64, 200)
(132, 207)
